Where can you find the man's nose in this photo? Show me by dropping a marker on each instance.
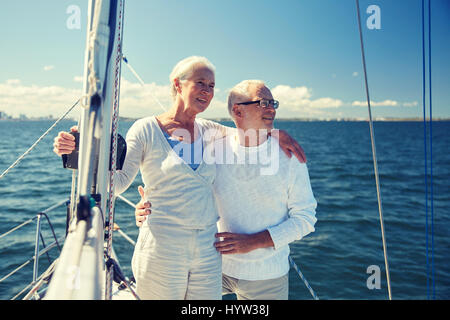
(271, 109)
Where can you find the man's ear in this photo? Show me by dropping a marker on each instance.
(236, 111)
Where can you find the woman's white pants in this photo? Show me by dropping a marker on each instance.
(172, 263)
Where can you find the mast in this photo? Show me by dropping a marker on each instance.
(81, 272)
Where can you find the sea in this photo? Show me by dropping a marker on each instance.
(342, 260)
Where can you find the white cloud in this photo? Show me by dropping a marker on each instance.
(326, 103)
(298, 102)
(141, 101)
(13, 81)
(48, 68)
(290, 95)
(410, 104)
(35, 101)
(385, 103)
(355, 74)
(151, 99)
(78, 79)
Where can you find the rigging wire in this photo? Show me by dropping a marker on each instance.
(431, 292)
(141, 81)
(374, 154)
(302, 277)
(431, 152)
(37, 141)
(425, 145)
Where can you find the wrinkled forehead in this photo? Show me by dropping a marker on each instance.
(259, 91)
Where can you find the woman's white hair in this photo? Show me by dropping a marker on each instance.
(183, 70)
(240, 92)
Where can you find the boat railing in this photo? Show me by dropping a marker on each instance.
(38, 251)
(81, 267)
(118, 229)
(42, 248)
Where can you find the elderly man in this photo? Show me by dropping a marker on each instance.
(264, 199)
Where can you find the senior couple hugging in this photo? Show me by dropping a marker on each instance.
(220, 205)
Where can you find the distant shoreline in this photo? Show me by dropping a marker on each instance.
(278, 119)
(345, 119)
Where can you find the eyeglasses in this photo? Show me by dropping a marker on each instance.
(263, 103)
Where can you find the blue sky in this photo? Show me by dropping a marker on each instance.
(307, 51)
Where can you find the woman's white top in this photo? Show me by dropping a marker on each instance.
(180, 196)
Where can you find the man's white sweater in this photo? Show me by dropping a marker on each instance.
(260, 188)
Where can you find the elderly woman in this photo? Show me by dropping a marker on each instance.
(174, 257)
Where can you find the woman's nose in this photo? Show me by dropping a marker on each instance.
(207, 90)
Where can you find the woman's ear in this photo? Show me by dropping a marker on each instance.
(177, 84)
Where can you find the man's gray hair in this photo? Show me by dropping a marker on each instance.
(183, 70)
(239, 93)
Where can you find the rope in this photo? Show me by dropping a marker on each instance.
(300, 274)
(374, 154)
(109, 270)
(37, 141)
(119, 277)
(43, 278)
